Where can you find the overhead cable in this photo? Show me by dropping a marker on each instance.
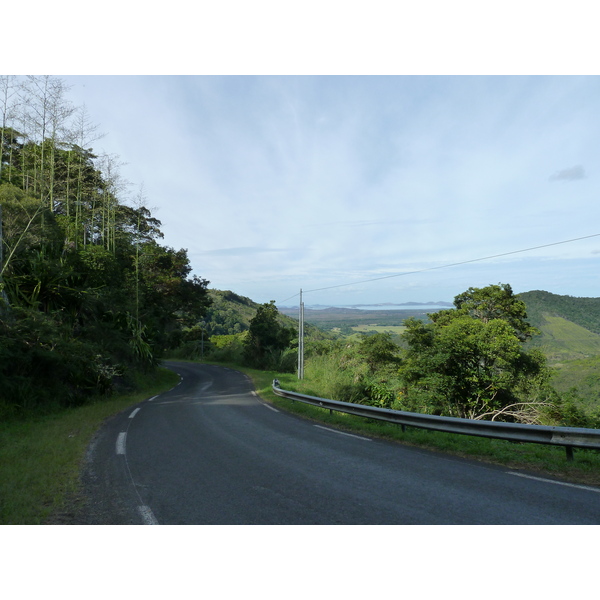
(464, 262)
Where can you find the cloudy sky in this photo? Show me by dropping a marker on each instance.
(367, 185)
(276, 183)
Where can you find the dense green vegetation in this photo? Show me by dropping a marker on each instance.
(226, 334)
(475, 361)
(570, 339)
(88, 297)
(470, 363)
(581, 311)
(267, 344)
(229, 313)
(571, 350)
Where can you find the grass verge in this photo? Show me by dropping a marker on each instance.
(41, 459)
(543, 460)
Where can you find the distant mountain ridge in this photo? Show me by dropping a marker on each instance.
(569, 326)
(584, 312)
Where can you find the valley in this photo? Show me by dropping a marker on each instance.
(569, 331)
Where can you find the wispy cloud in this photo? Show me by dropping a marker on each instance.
(241, 251)
(277, 183)
(571, 174)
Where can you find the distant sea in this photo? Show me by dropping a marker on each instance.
(415, 306)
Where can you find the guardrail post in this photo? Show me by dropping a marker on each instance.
(569, 450)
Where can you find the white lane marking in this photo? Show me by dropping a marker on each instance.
(121, 442)
(135, 412)
(573, 485)
(269, 407)
(358, 437)
(147, 515)
(153, 398)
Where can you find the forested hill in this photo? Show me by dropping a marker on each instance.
(89, 298)
(584, 312)
(231, 313)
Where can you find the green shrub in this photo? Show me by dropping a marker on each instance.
(227, 348)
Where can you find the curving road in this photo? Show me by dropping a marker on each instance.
(211, 452)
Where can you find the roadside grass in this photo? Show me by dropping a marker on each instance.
(41, 458)
(540, 459)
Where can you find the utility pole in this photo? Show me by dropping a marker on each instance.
(301, 339)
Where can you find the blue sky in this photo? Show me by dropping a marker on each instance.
(276, 183)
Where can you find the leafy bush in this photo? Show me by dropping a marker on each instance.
(43, 368)
(227, 348)
(267, 338)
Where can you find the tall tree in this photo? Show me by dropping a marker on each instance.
(488, 303)
(267, 337)
(104, 212)
(78, 163)
(469, 362)
(88, 293)
(47, 115)
(9, 100)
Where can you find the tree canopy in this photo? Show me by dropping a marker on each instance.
(87, 293)
(267, 338)
(469, 362)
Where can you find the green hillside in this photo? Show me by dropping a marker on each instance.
(562, 340)
(582, 375)
(570, 326)
(231, 313)
(581, 311)
(570, 338)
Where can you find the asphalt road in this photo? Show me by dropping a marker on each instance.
(212, 452)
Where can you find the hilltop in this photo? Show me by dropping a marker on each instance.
(231, 313)
(584, 312)
(570, 326)
(570, 339)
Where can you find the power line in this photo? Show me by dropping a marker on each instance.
(464, 262)
(289, 298)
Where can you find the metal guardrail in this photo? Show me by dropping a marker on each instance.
(568, 437)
